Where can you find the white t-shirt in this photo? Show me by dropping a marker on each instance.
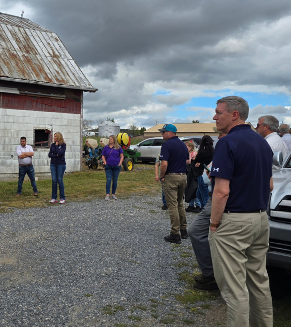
(19, 150)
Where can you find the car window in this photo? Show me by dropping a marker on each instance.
(159, 142)
(147, 143)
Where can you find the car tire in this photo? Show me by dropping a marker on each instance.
(128, 164)
(94, 163)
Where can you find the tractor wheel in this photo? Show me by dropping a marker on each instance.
(128, 164)
(94, 164)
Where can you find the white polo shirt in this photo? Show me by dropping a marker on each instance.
(19, 150)
(277, 144)
(287, 139)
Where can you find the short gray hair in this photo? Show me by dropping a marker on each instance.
(271, 121)
(235, 103)
(284, 128)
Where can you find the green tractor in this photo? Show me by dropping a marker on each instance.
(130, 156)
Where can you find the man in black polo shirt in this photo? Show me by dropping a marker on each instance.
(174, 154)
(239, 227)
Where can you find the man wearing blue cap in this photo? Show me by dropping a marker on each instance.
(174, 154)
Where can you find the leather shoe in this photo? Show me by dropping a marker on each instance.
(206, 287)
(197, 210)
(190, 209)
(173, 238)
(201, 279)
(184, 234)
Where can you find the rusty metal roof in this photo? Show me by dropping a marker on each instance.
(30, 53)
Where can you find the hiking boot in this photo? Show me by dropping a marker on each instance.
(173, 238)
(164, 207)
(206, 287)
(201, 279)
(190, 209)
(184, 234)
(197, 210)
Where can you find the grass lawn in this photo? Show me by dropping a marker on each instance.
(80, 186)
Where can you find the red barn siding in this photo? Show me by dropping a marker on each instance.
(23, 102)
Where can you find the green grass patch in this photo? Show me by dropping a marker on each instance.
(134, 317)
(282, 313)
(80, 186)
(188, 321)
(167, 320)
(141, 307)
(194, 296)
(88, 295)
(112, 309)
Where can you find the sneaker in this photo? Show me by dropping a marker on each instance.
(206, 287)
(53, 201)
(164, 207)
(62, 201)
(197, 210)
(114, 197)
(106, 197)
(201, 279)
(173, 238)
(190, 209)
(18, 194)
(184, 234)
(35, 194)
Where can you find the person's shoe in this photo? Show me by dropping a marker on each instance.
(53, 201)
(62, 201)
(173, 238)
(164, 207)
(197, 210)
(206, 287)
(35, 194)
(18, 194)
(106, 197)
(184, 234)
(114, 197)
(201, 279)
(190, 209)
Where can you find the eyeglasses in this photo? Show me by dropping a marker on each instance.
(258, 125)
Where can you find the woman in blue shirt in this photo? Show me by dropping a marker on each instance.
(112, 156)
(58, 167)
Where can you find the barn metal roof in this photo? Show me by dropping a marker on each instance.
(30, 53)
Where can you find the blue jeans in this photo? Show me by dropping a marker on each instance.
(57, 172)
(29, 170)
(163, 196)
(196, 202)
(112, 173)
(202, 192)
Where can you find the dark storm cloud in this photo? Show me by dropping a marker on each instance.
(128, 44)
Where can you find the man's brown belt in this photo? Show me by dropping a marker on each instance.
(25, 165)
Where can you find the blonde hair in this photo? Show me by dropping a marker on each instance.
(190, 145)
(60, 138)
(116, 145)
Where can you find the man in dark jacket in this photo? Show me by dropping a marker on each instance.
(174, 155)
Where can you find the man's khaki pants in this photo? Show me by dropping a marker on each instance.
(174, 187)
(238, 250)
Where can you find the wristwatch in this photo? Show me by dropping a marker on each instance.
(214, 225)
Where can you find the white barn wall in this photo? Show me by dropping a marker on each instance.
(16, 123)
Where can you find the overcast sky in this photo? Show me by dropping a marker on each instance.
(167, 61)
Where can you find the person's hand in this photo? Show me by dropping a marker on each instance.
(57, 143)
(157, 178)
(213, 229)
(197, 164)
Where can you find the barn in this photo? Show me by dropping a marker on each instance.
(41, 92)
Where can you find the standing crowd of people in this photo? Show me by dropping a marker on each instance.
(230, 236)
(228, 187)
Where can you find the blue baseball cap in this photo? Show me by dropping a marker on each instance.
(168, 128)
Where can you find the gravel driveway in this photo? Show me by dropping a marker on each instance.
(98, 263)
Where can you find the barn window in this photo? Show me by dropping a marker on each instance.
(42, 138)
